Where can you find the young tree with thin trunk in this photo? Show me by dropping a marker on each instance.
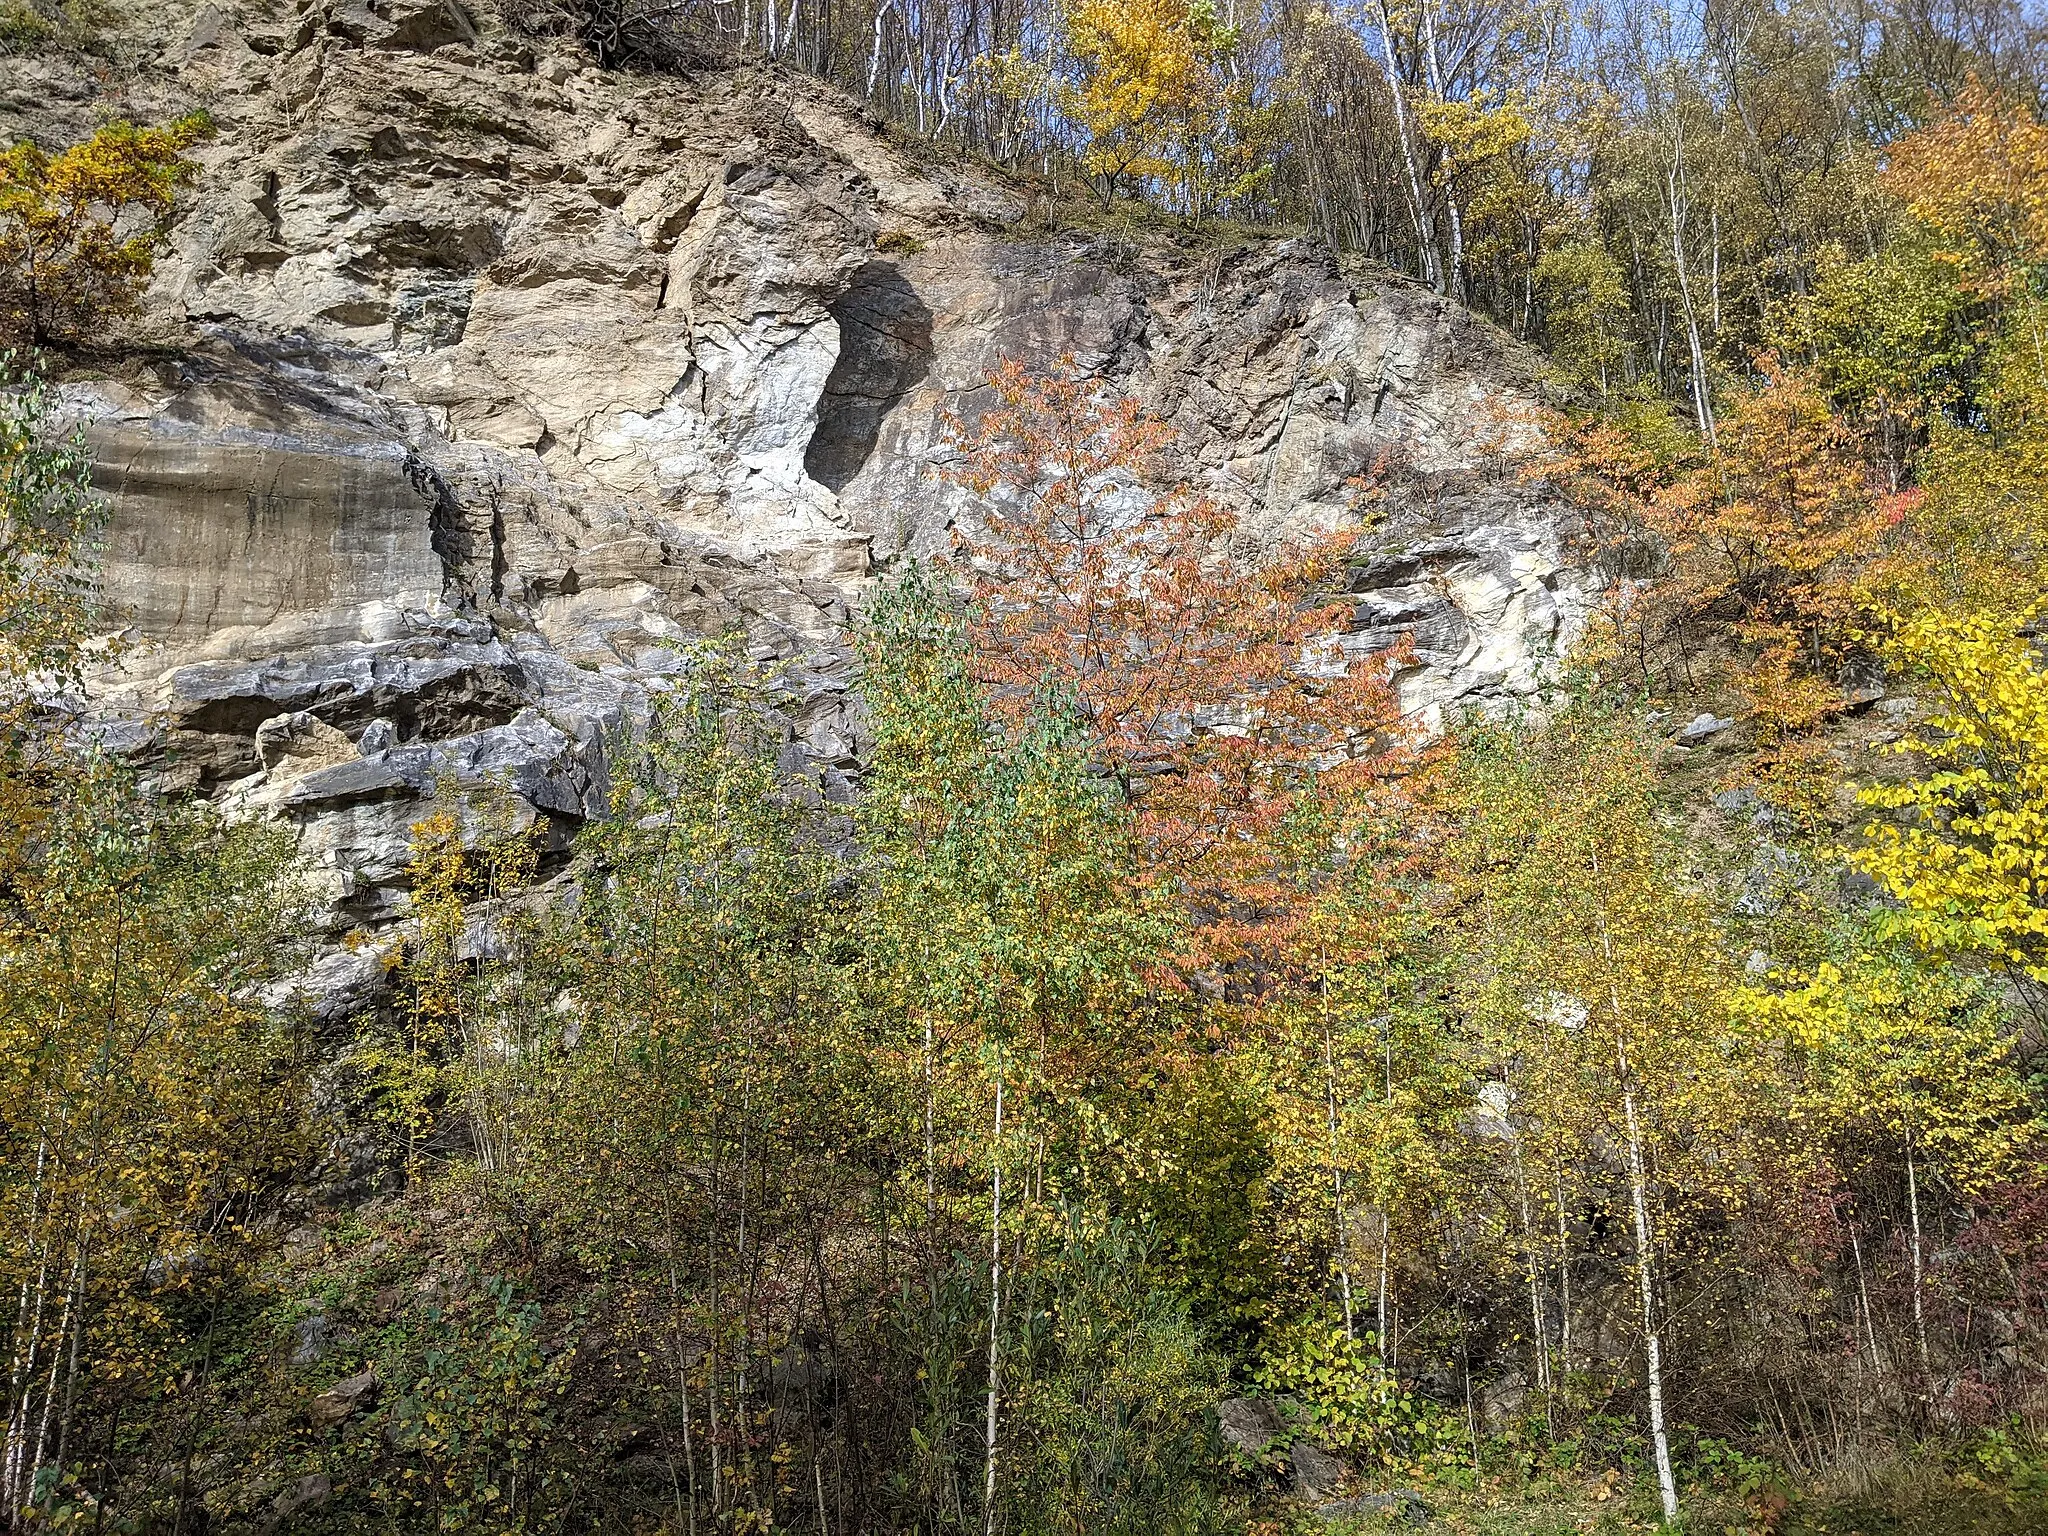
(149, 1101)
(80, 229)
(1597, 972)
(1891, 1049)
(1007, 930)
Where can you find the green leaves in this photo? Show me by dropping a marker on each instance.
(1116, 1401)
(474, 1442)
(48, 520)
(1354, 1402)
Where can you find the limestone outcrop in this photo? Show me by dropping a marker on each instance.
(479, 386)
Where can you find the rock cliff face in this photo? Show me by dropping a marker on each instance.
(483, 384)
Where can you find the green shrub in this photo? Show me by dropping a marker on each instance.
(1120, 1421)
(468, 1443)
(1355, 1404)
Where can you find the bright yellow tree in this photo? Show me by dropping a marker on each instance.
(1597, 973)
(1978, 178)
(1968, 857)
(79, 230)
(1151, 97)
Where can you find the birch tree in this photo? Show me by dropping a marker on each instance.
(1597, 970)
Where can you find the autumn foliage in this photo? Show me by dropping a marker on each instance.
(1977, 177)
(80, 229)
(1154, 97)
(1216, 688)
(1771, 538)
(1150, 1033)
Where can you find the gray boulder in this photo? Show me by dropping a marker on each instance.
(1317, 1474)
(1403, 1505)
(1249, 1425)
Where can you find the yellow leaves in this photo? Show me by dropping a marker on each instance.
(79, 229)
(1586, 302)
(1475, 130)
(1485, 146)
(1151, 95)
(404, 1073)
(144, 1097)
(1591, 951)
(1023, 83)
(1969, 859)
(1918, 1051)
(1943, 334)
(1981, 528)
(1978, 177)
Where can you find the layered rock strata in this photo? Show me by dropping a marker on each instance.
(482, 386)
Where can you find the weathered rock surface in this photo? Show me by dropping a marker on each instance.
(343, 1399)
(1317, 1474)
(483, 385)
(1402, 1506)
(1249, 1425)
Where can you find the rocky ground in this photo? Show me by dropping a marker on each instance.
(478, 385)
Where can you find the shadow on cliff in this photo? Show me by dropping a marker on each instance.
(885, 351)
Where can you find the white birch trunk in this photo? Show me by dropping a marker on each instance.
(995, 1307)
(1454, 277)
(1674, 183)
(1425, 232)
(1919, 1267)
(1653, 1349)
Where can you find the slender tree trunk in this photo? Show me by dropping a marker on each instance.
(1386, 1225)
(1863, 1291)
(875, 54)
(995, 1304)
(32, 266)
(23, 1405)
(931, 1150)
(1337, 1175)
(1714, 267)
(675, 1303)
(1542, 1333)
(28, 1323)
(77, 1324)
(1653, 1349)
(1564, 1284)
(1919, 1269)
(1639, 1199)
(42, 1441)
(1454, 277)
(1425, 226)
(1529, 294)
(1674, 183)
(1471, 1418)
(712, 1343)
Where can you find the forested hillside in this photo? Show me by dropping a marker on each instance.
(1203, 944)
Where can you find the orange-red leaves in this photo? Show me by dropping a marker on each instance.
(1214, 685)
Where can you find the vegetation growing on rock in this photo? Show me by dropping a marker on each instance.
(1157, 1082)
(80, 229)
